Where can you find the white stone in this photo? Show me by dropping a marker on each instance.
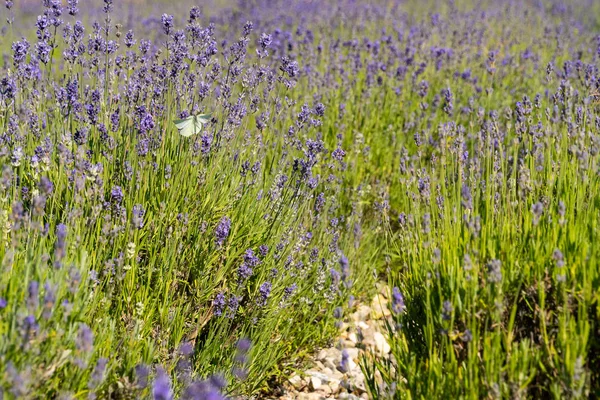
(310, 396)
(381, 345)
(363, 313)
(352, 337)
(326, 390)
(362, 325)
(329, 363)
(315, 383)
(335, 386)
(296, 381)
(322, 355)
(380, 307)
(352, 353)
(320, 375)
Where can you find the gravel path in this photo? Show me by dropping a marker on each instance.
(334, 371)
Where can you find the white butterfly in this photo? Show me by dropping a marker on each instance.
(191, 125)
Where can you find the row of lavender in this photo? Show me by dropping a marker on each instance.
(454, 154)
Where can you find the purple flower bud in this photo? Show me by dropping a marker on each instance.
(219, 304)
(129, 39)
(222, 231)
(141, 374)
(108, 5)
(98, 373)
(161, 390)
(244, 272)
(265, 41)
(116, 195)
(288, 291)
(344, 366)
(85, 339)
(447, 310)
(72, 7)
(33, 295)
(398, 306)
(248, 27)
(167, 23)
(265, 292)
(494, 268)
(338, 154)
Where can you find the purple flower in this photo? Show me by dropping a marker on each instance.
(98, 373)
(116, 195)
(345, 268)
(320, 109)
(85, 339)
(398, 306)
(32, 295)
(241, 358)
(537, 209)
(263, 250)
(288, 291)
(46, 186)
(338, 313)
(161, 390)
(141, 374)
(43, 51)
(248, 27)
(137, 216)
(147, 123)
(72, 7)
(447, 310)
(129, 39)
(265, 292)
(60, 245)
(108, 5)
(344, 366)
(232, 306)
(559, 258)
(49, 300)
(250, 258)
(222, 231)
(289, 67)
(244, 272)
(494, 271)
(167, 23)
(338, 154)
(265, 40)
(467, 336)
(319, 202)
(3, 303)
(20, 50)
(219, 304)
(195, 13)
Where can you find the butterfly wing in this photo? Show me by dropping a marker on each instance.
(185, 126)
(204, 118)
(200, 120)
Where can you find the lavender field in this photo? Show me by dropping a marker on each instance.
(197, 197)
